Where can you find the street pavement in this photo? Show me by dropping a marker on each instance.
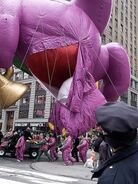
(77, 170)
(43, 172)
(10, 175)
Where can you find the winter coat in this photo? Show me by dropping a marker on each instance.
(75, 144)
(121, 168)
(27, 135)
(96, 144)
(104, 152)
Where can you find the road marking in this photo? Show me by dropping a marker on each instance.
(34, 176)
(5, 181)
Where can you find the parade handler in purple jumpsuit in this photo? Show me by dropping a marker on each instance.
(20, 148)
(83, 148)
(66, 150)
(44, 149)
(52, 145)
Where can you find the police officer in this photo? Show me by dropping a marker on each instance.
(119, 123)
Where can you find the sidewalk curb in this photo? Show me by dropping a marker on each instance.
(80, 178)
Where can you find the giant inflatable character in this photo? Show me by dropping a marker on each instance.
(58, 41)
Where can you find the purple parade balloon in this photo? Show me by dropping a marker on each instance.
(34, 29)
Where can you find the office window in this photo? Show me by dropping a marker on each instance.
(135, 9)
(23, 114)
(103, 39)
(126, 10)
(131, 49)
(131, 15)
(126, 44)
(122, 41)
(38, 86)
(25, 100)
(39, 113)
(133, 99)
(126, 21)
(122, 27)
(111, 20)
(122, 5)
(135, 19)
(124, 97)
(131, 59)
(116, 11)
(135, 30)
(135, 42)
(0, 113)
(121, 16)
(110, 30)
(135, 51)
(131, 37)
(131, 4)
(126, 33)
(40, 99)
(19, 76)
(131, 67)
(132, 83)
(116, 23)
(136, 85)
(25, 76)
(135, 74)
(135, 61)
(131, 26)
(116, 35)
(29, 85)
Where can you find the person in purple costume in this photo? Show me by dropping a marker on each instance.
(20, 148)
(44, 148)
(83, 148)
(66, 150)
(52, 145)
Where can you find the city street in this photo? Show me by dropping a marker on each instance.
(68, 91)
(12, 172)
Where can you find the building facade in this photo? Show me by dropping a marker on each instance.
(33, 109)
(123, 28)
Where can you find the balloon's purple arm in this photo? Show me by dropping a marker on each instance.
(9, 31)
